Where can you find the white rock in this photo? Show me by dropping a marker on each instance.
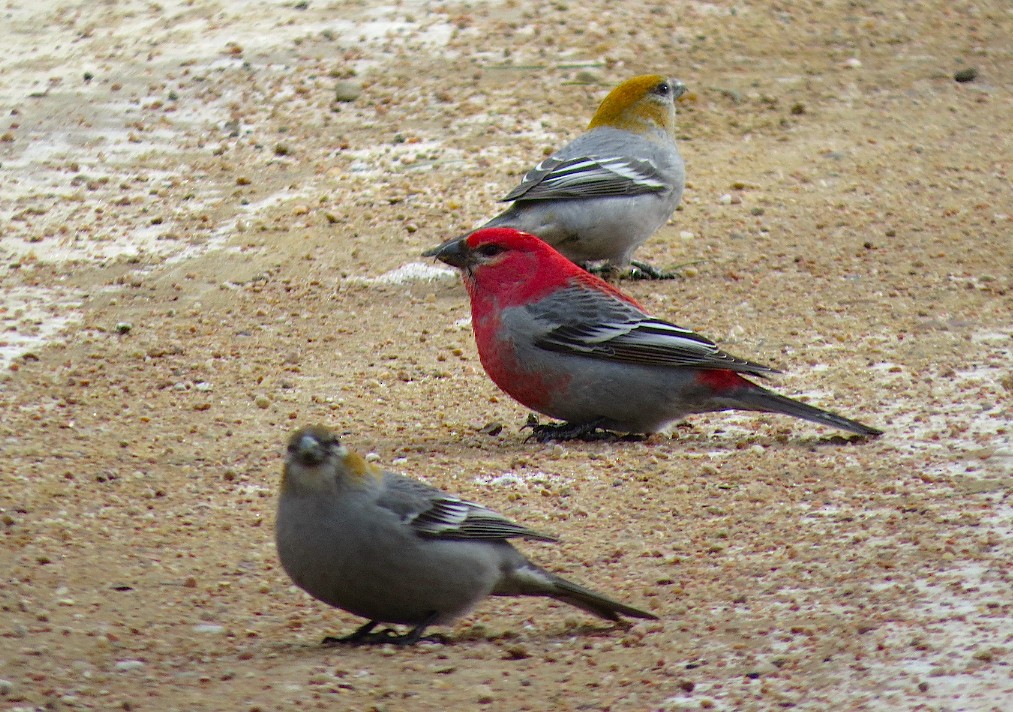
(209, 628)
(127, 665)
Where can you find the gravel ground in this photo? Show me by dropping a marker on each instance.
(211, 219)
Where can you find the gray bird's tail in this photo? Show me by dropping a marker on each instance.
(531, 580)
(758, 398)
(599, 605)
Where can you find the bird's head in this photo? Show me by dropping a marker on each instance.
(312, 445)
(316, 459)
(642, 105)
(512, 266)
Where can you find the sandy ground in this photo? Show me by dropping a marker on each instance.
(202, 248)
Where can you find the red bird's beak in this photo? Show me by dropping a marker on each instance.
(455, 253)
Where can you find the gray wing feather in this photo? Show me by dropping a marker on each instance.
(435, 514)
(588, 324)
(588, 176)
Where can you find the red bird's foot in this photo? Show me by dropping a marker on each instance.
(588, 432)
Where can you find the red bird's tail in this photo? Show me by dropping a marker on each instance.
(757, 398)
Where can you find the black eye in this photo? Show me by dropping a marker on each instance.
(489, 250)
(663, 89)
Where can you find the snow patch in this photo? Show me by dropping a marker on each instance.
(524, 480)
(31, 316)
(411, 272)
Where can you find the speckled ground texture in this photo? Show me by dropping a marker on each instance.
(211, 218)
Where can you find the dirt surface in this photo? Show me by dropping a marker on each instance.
(203, 247)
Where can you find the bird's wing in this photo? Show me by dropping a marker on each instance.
(585, 322)
(435, 514)
(589, 177)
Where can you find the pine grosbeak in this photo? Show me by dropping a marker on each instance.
(567, 344)
(601, 196)
(395, 550)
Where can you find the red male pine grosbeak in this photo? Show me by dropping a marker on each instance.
(567, 344)
(602, 195)
(395, 550)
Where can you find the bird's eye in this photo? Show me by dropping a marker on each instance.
(489, 250)
(664, 89)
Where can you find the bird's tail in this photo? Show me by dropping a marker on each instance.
(758, 398)
(596, 603)
(531, 580)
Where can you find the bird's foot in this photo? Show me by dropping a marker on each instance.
(643, 270)
(364, 635)
(588, 432)
(636, 271)
(605, 270)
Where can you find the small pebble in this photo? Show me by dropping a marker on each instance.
(262, 401)
(127, 665)
(347, 91)
(966, 75)
(208, 628)
(484, 695)
(491, 428)
(517, 652)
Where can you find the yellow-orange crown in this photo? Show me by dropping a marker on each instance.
(629, 106)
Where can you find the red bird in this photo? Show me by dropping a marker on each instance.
(567, 344)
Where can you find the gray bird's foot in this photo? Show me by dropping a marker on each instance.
(360, 636)
(388, 636)
(605, 270)
(636, 271)
(588, 432)
(642, 270)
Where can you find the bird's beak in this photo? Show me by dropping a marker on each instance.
(309, 451)
(454, 252)
(678, 89)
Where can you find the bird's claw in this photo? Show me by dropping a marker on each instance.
(587, 432)
(364, 635)
(642, 270)
(637, 271)
(387, 636)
